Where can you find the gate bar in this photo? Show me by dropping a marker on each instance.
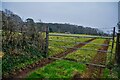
(85, 49)
(81, 42)
(81, 36)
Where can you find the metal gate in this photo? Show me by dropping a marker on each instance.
(110, 52)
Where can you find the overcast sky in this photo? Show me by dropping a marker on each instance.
(60, 0)
(93, 14)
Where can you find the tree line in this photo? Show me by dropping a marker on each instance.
(70, 28)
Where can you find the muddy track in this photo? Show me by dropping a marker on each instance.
(23, 71)
(100, 58)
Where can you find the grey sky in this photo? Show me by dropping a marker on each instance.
(60, 0)
(93, 14)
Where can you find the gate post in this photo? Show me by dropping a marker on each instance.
(47, 41)
(118, 49)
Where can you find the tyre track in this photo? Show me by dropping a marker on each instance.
(100, 58)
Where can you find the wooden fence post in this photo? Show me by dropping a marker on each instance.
(113, 41)
(47, 41)
(118, 49)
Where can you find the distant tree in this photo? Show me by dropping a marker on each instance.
(40, 21)
(73, 29)
(8, 12)
(31, 31)
(50, 29)
(11, 21)
(30, 22)
(59, 28)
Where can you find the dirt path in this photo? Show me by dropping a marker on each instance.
(23, 72)
(100, 58)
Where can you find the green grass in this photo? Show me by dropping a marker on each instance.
(58, 69)
(111, 73)
(86, 55)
